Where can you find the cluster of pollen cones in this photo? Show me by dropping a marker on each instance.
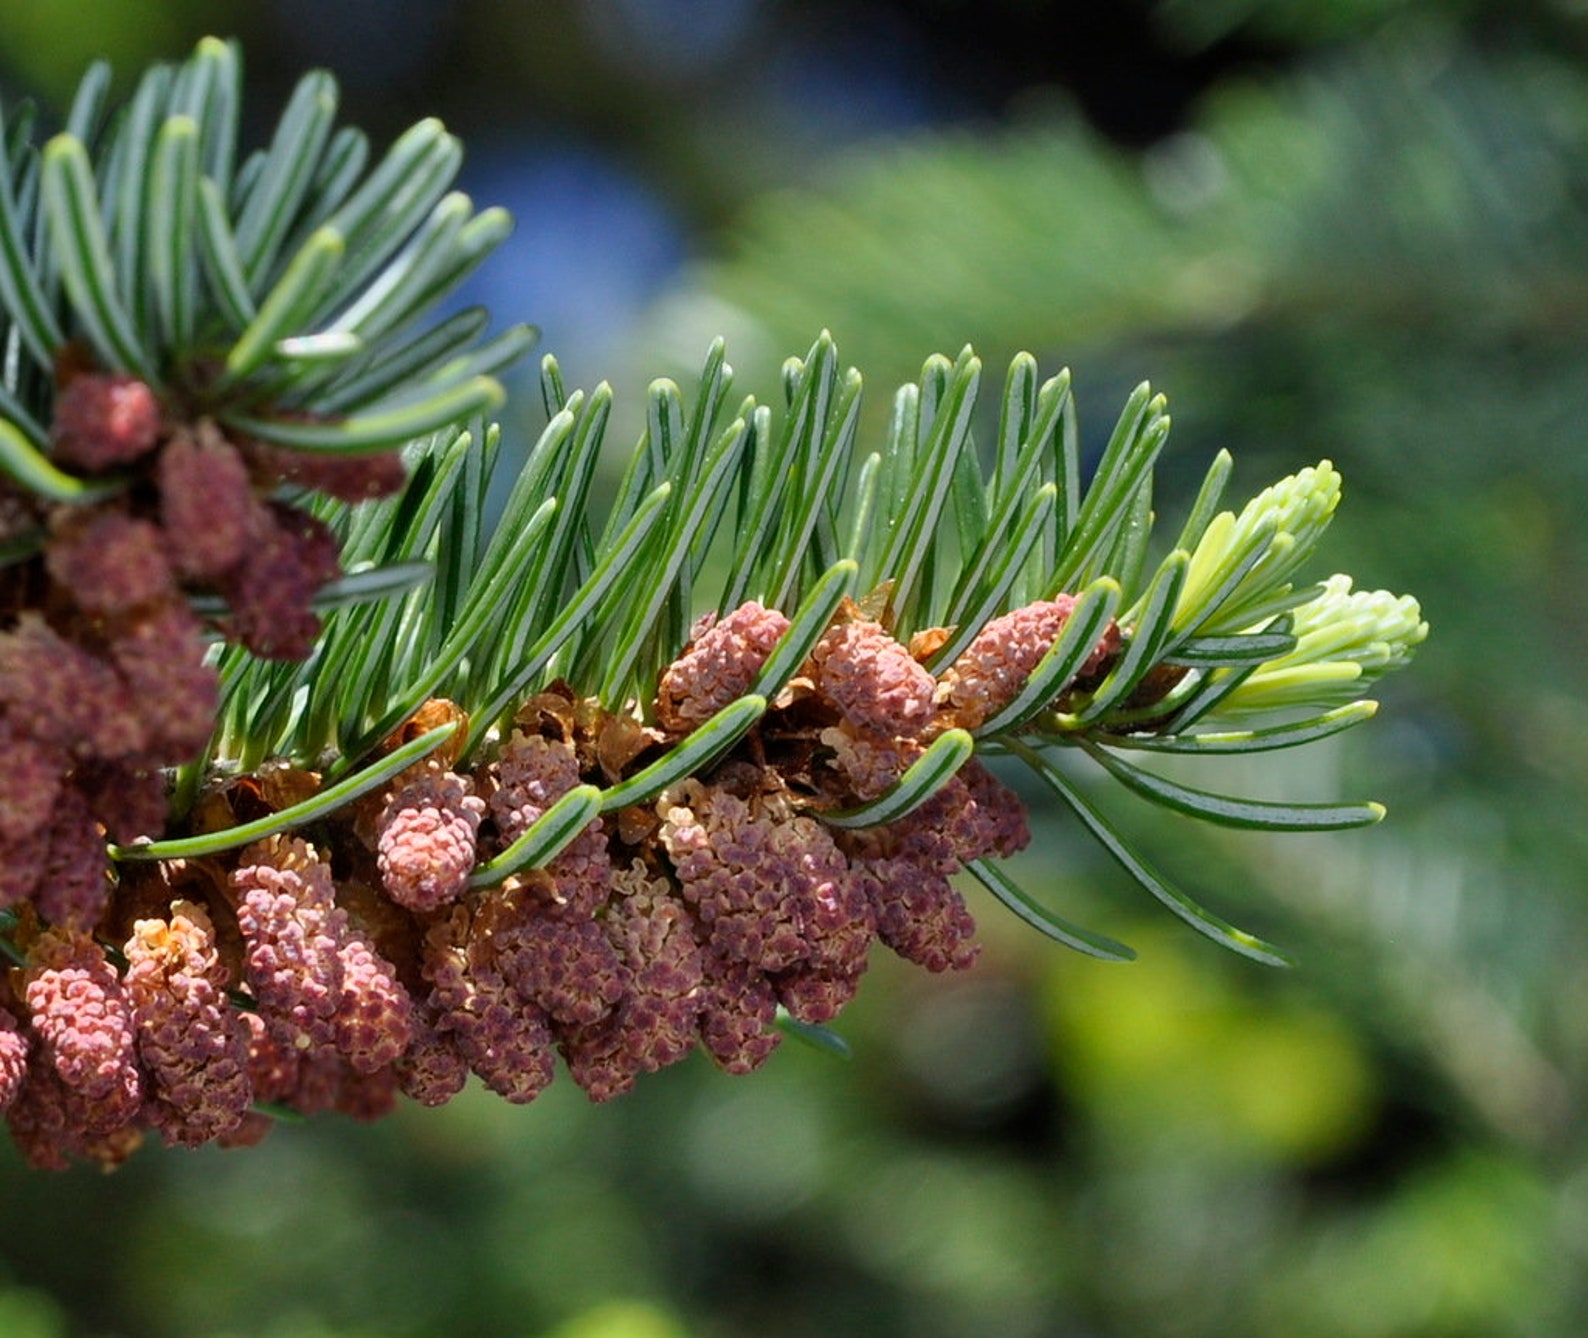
(358, 959)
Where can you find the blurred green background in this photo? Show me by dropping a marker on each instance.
(1345, 228)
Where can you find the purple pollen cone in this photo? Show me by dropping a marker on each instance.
(718, 667)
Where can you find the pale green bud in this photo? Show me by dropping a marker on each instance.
(1345, 640)
(1241, 566)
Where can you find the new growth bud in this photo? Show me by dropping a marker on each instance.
(1243, 562)
(1345, 640)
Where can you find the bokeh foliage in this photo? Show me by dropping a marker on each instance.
(1377, 257)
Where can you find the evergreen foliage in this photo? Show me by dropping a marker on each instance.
(515, 774)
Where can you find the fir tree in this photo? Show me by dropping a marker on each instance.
(291, 726)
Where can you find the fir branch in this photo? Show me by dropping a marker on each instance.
(588, 812)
